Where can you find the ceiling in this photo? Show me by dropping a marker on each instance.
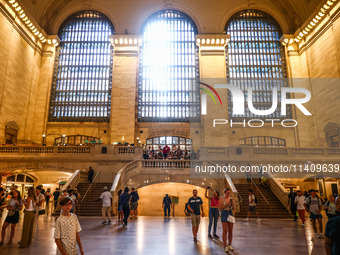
(210, 16)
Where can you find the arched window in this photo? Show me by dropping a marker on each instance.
(263, 141)
(255, 58)
(168, 75)
(81, 88)
(172, 141)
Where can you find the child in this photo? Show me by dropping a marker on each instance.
(67, 230)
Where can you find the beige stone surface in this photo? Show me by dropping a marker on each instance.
(151, 198)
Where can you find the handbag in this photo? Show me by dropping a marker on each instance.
(42, 211)
(231, 219)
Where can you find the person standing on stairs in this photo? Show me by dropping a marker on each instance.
(252, 206)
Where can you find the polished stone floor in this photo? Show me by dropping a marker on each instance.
(156, 235)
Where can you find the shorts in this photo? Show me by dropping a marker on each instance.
(120, 208)
(133, 205)
(225, 214)
(313, 216)
(14, 219)
(252, 208)
(195, 220)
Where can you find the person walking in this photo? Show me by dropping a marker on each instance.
(213, 211)
(313, 206)
(330, 208)
(166, 205)
(106, 199)
(13, 207)
(300, 201)
(226, 204)
(252, 206)
(195, 206)
(28, 226)
(67, 230)
(90, 174)
(40, 198)
(120, 208)
(47, 199)
(134, 203)
(291, 200)
(125, 200)
(56, 195)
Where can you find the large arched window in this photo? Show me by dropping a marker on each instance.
(81, 88)
(168, 76)
(255, 58)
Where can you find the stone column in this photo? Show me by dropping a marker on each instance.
(298, 74)
(43, 94)
(212, 64)
(124, 87)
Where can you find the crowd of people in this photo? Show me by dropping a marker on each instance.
(168, 153)
(67, 226)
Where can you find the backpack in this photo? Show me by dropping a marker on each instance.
(309, 200)
(255, 200)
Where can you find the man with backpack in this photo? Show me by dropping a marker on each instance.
(313, 205)
(252, 206)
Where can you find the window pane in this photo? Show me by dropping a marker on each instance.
(168, 78)
(255, 58)
(81, 86)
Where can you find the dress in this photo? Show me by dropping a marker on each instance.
(66, 228)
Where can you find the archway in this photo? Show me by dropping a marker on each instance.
(151, 198)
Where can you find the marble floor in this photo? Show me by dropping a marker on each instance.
(156, 235)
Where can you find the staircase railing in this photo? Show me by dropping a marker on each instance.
(280, 192)
(89, 190)
(258, 191)
(73, 181)
(238, 200)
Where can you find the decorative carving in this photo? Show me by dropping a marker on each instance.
(252, 3)
(87, 3)
(168, 3)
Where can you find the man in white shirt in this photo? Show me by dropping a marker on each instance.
(106, 198)
(300, 202)
(252, 206)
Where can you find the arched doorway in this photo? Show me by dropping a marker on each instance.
(151, 198)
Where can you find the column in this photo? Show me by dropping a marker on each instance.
(43, 94)
(124, 87)
(212, 63)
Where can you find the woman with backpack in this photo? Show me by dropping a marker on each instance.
(329, 206)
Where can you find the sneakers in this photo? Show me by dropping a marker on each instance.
(216, 236)
(210, 236)
(230, 248)
(258, 220)
(123, 223)
(104, 222)
(320, 235)
(246, 219)
(109, 223)
(226, 249)
(302, 225)
(195, 239)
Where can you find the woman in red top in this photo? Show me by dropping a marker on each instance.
(213, 211)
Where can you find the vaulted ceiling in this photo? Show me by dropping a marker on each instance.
(211, 15)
